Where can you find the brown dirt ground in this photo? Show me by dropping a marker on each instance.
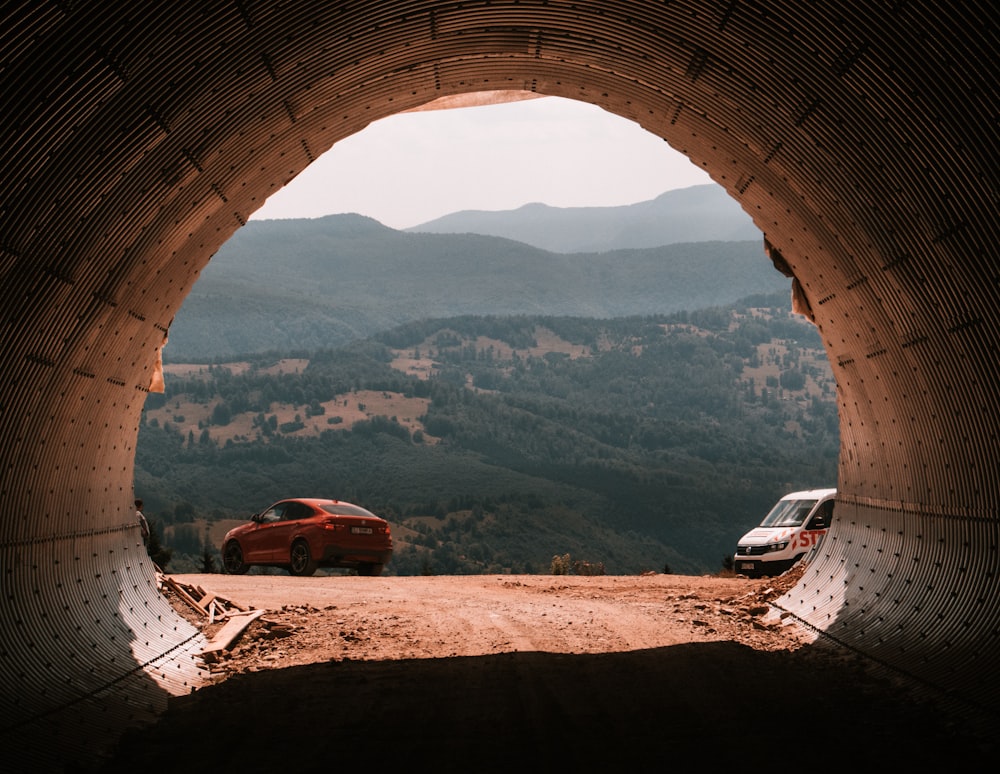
(500, 673)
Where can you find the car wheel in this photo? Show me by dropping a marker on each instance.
(368, 568)
(301, 562)
(232, 559)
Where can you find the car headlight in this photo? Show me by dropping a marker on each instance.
(777, 546)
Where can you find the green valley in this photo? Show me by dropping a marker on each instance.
(495, 443)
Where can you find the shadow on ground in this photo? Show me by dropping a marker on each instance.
(700, 706)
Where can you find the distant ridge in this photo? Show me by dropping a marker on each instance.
(285, 285)
(703, 213)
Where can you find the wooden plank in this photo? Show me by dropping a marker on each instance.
(179, 591)
(230, 602)
(218, 612)
(206, 600)
(233, 628)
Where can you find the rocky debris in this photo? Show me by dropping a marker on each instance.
(755, 606)
(744, 617)
(757, 601)
(221, 620)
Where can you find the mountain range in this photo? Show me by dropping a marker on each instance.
(702, 213)
(320, 283)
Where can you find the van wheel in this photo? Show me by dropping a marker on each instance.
(301, 561)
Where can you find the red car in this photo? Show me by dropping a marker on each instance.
(303, 534)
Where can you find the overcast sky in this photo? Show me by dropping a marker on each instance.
(413, 167)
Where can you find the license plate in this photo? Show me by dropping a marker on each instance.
(746, 565)
(361, 530)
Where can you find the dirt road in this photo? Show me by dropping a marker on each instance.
(501, 673)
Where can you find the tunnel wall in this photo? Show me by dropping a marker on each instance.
(136, 138)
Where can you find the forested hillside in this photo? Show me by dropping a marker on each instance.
(493, 444)
(321, 283)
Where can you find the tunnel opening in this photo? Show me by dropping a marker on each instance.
(860, 139)
(228, 402)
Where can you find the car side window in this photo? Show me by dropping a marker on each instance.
(823, 516)
(272, 515)
(295, 511)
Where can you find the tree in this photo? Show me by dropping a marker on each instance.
(207, 555)
(793, 379)
(159, 553)
(221, 414)
(183, 512)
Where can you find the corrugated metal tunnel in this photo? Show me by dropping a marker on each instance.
(137, 137)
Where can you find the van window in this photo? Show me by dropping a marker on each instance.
(823, 516)
(788, 513)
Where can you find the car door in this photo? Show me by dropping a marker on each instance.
(258, 542)
(281, 532)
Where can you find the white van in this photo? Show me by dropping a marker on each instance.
(795, 525)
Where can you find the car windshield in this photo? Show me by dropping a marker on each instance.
(344, 509)
(788, 513)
